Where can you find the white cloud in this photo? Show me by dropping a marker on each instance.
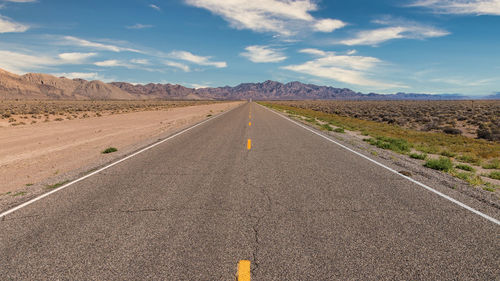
(7, 25)
(315, 52)
(285, 17)
(352, 52)
(140, 26)
(328, 25)
(75, 58)
(178, 65)
(261, 54)
(80, 75)
(401, 29)
(343, 68)
(473, 7)
(96, 45)
(153, 6)
(199, 86)
(190, 57)
(21, 1)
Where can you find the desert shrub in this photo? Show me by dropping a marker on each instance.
(339, 130)
(469, 159)
(441, 164)
(420, 156)
(494, 175)
(490, 131)
(109, 150)
(326, 127)
(464, 167)
(398, 145)
(463, 176)
(452, 131)
(448, 153)
(493, 164)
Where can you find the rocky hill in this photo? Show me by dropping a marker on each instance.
(44, 86)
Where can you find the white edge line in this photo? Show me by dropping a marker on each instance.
(493, 220)
(109, 166)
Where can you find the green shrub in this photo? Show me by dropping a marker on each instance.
(109, 150)
(339, 130)
(462, 175)
(326, 127)
(398, 145)
(448, 153)
(494, 175)
(468, 159)
(441, 164)
(420, 156)
(464, 167)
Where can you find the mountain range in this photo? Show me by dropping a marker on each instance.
(44, 86)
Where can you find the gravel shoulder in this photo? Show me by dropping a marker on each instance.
(34, 158)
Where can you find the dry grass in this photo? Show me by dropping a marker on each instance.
(16, 113)
(469, 118)
(458, 148)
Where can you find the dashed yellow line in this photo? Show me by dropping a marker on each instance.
(250, 124)
(249, 144)
(244, 270)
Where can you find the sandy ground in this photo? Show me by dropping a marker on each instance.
(33, 154)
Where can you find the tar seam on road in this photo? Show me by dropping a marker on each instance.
(109, 166)
(244, 270)
(493, 220)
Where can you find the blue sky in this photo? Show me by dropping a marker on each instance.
(384, 46)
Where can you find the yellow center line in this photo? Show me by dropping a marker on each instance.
(244, 270)
(249, 144)
(249, 123)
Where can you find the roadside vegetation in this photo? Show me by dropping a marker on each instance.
(461, 156)
(18, 113)
(478, 118)
(109, 150)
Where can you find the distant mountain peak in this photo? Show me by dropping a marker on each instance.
(45, 86)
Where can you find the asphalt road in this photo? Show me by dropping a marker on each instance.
(295, 205)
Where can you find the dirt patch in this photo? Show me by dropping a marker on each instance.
(43, 154)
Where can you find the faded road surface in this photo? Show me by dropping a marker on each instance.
(295, 205)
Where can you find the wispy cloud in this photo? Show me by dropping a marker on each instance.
(112, 63)
(397, 30)
(74, 41)
(141, 61)
(464, 82)
(285, 17)
(199, 86)
(21, 1)
(76, 58)
(8, 25)
(262, 54)
(139, 26)
(200, 60)
(348, 69)
(178, 65)
(153, 6)
(21, 62)
(473, 7)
